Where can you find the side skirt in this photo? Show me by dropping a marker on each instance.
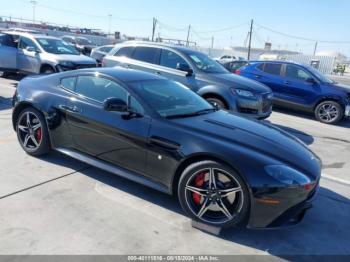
(114, 169)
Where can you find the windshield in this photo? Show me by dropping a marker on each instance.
(83, 41)
(206, 64)
(319, 75)
(171, 99)
(57, 46)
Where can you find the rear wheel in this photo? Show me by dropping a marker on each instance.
(213, 193)
(32, 132)
(219, 103)
(329, 112)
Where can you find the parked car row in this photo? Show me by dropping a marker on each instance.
(276, 83)
(198, 72)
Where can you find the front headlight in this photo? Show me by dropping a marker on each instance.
(66, 63)
(243, 93)
(287, 175)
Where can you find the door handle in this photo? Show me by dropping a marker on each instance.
(257, 76)
(158, 73)
(286, 82)
(164, 143)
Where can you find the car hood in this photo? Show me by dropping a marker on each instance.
(341, 87)
(264, 138)
(233, 80)
(78, 59)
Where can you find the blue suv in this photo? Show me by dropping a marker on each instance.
(303, 88)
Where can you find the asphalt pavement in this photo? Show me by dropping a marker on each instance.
(56, 205)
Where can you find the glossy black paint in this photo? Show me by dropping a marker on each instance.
(157, 150)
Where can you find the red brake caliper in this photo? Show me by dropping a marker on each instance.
(38, 134)
(198, 181)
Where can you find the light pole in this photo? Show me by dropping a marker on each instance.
(33, 2)
(109, 23)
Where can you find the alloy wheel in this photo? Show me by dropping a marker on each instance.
(30, 131)
(214, 196)
(328, 112)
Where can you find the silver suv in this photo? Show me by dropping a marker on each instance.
(198, 72)
(35, 54)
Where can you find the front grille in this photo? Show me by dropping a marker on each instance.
(248, 110)
(85, 66)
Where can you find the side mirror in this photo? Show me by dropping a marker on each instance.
(116, 105)
(30, 49)
(185, 68)
(311, 80)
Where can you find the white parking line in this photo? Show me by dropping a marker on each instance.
(335, 179)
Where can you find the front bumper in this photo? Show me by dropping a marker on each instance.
(61, 68)
(259, 107)
(291, 210)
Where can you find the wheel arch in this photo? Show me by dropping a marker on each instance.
(329, 98)
(216, 95)
(19, 108)
(47, 65)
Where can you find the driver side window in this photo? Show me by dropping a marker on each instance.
(26, 42)
(99, 89)
(296, 73)
(170, 59)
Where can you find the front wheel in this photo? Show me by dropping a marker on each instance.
(213, 193)
(329, 112)
(32, 132)
(217, 102)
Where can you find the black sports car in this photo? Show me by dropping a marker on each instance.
(226, 170)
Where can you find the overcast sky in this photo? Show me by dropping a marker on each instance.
(324, 20)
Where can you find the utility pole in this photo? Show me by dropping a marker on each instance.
(212, 42)
(154, 28)
(250, 39)
(33, 2)
(188, 35)
(315, 49)
(109, 24)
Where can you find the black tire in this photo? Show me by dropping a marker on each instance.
(236, 204)
(38, 143)
(47, 70)
(329, 112)
(219, 103)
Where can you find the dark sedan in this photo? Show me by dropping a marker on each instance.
(226, 170)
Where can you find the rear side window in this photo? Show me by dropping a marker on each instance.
(69, 83)
(146, 54)
(273, 69)
(125, 51)
(170, 59)
(26, 42)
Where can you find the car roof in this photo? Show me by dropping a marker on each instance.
(158, 44)
(29, 35)
(274, 61)
(122, 74)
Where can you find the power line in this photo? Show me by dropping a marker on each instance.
(302, 38)
(223, 29)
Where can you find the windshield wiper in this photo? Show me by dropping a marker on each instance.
(197, 113)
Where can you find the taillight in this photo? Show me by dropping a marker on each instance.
(237, 72)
